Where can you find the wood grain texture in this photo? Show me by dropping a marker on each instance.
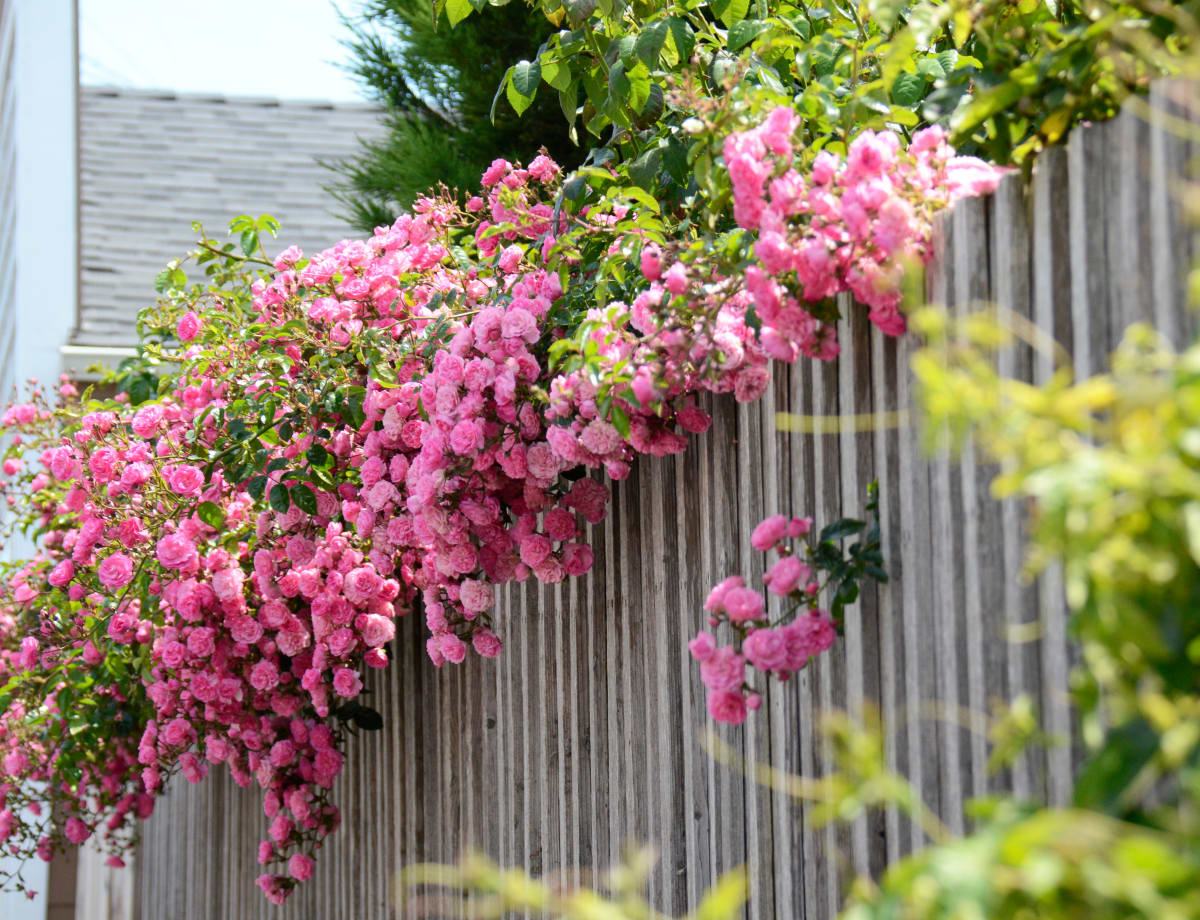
(586, 735)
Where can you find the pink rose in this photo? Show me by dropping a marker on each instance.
(727, 706)
(300, 867)
(377, 630)
(766, 649)
(767, 534)
(486, 643)
(76, 830)
(786, 574)
(174, 654)
(177, 732)
(185, 480)
(743, 604)
(724, 669)
(61, 574)
(476, 596)
(116, 571)
(175, 551)
(188, 326)
(703, 646)
(346, 682)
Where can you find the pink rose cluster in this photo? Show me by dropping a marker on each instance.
(850, 224)
(247, 636)
(777, 651)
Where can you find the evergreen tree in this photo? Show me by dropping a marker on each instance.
(438, 84)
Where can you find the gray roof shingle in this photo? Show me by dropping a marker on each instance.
(152, 162)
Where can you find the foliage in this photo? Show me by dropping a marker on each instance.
(437, 85)
(1110, 467)
(1005, 78)
(495, 892)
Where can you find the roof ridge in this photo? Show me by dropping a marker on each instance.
(166, 95)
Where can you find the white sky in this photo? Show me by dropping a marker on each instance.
(282, 48)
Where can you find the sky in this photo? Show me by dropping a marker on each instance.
(287, 49)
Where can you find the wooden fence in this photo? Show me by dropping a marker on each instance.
(586, 734)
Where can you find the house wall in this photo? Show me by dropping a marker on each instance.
(38, 266)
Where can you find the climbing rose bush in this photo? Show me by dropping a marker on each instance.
(807, 570)
(390, 426)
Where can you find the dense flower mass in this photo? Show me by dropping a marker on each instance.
(396, 424)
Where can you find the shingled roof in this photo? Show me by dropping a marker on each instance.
(152, 162)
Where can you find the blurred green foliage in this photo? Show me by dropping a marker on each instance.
(436, 84)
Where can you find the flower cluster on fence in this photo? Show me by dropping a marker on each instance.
(398, 424)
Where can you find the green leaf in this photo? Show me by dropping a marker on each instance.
(458, 10)
(211, 514)
(518, 102)
(907, 90)
(731, 11)
(620, 421)
(318, 456)
(1126, 750)
(841, 529)
(556, 73)
(644, 170)
(948, 59)
(984, 106)
(257, 487)
(249, 241)
(885, 12)
(650, 42)
(930, 68)
(367, 718)
(744, 32)
(303, 496)
(280, 499)
(526, 75)
(579, 11)
(726, 899)
(683, 38)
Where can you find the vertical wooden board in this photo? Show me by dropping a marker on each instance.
(751, 509)
(721, 525)
(758, 741)
(861, 640)
(802, 748)
(910, 562)
(948, 594)
(415, 661)
(613, 646)
(521, 782)
(1011, 284)
(1091, 299)
(828, 679)
(1168, 151)
(638, 827)
(569, 713)
(1129, 161)
(596, 816)
(1052, 312)
(508, 775)
(670, 652)
(548, 816)
(892, 664)
(690, 493)
(574, 707)
(779, 714)
(486, 771)
(985, 663)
